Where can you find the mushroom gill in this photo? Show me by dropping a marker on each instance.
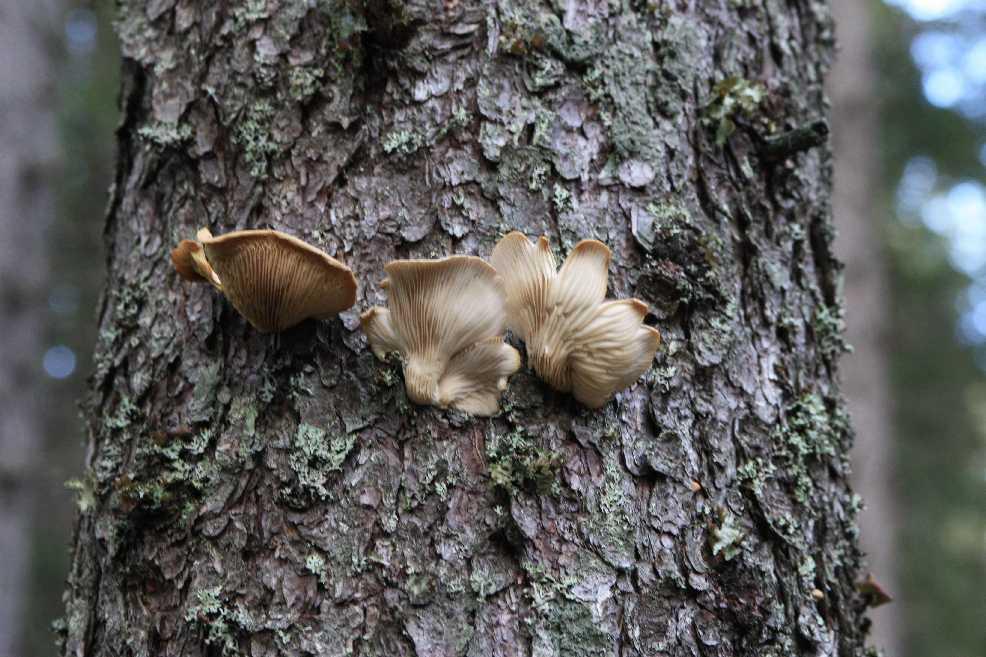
(576, 340)
(446, 319)
(273, 279)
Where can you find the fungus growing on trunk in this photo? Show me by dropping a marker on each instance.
(446, 319)
(576, 340)
(190, 263)
(273, 279)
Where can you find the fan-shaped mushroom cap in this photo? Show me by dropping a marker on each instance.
(446, 318)
(275, 280)
(576, 341)
(272, 279)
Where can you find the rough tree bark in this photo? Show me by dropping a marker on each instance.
(278, 495)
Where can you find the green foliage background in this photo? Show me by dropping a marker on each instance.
(939, 392)
(85, 93)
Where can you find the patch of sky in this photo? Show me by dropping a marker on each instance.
(934, 10)
(80, 31)
(59, 362)
(915, 187)
(959, 214)
(949, 51)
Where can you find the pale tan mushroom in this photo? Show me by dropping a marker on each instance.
(446, 319)
(476, 376)
(576, 340)
(273, 279)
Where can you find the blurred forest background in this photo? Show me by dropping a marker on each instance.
(909, 128)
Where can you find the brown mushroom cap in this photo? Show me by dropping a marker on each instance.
(190, 263)
(275, 280)
(181, 258)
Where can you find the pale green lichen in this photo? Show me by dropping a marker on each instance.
(444, 485)
(612, 516)
(830, 326)
(544, 589)
(562, 199)
(303, 82)
(806, 569)
(543, 118)
(204, 395)
(538, 176)
(544, 73)
(128, 300)
(732, 97)
(518, 30)
(567, 627)
(85, 490)
(619, 81)
(517, 463)
(315, 455)
(300, 385)
(809, 434)
(670, 212)
(214, 619)
(126, 412)
(176, 471)
(315, 564)
(728, 537)
(166, 134)
(403, 142)
(108, 461)
(460, 116)
(249, 12)
(482, 582)
(242, 416)
(754, 474)
(252, 132)
(459, 119)
(593, 81)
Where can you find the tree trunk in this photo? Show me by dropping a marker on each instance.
(278, 494)
(859, 245)
(27, 135)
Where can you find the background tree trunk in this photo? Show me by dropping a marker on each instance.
(860, 246)
(27, 133)
(265, 495)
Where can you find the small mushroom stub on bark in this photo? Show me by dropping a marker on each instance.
(190, 263)
(576, 340)
(446, 319)
(273, 279)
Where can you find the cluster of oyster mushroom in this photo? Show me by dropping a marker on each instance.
(446, 318)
